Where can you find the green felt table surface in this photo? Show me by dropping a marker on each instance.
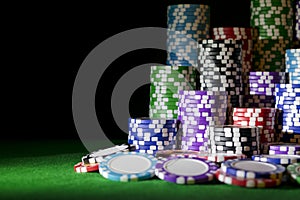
(44, 170)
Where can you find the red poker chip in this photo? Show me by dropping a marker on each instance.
(255, 110)
(243, 182)
(83, 168)
(248, 114)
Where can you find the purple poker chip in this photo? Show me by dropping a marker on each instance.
(196, 144)
(264, 73)
(277, 152)
(195, 114)
(199, 127)
(285, 147)
(185, 169)
(195, 138)
(258, 81)
(198, 97)
(194, 148)
(259, 85)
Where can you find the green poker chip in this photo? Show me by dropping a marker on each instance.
(294, 171)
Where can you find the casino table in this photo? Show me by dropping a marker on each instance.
(43, 169)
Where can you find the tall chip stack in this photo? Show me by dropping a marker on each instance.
(274, 21)
(187, 23)
(197, 110)
(287, 100)
(220, 69)
(150, 135)
(246, 35)
(165, 83)
(234, 139)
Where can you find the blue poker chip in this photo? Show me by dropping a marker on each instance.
(152, 126)
(284, 98)
(286, 102)
(287, 93)
(128, 166)
(150, 143)
(281, 159)
(151, 139)
(154, 147)
(152, 132)
(252, 169)
(285, 106)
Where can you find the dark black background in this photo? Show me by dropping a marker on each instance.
(44, 45)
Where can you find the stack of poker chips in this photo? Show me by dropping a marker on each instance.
(250, 173)
(292, 65)
(187, 23)
(166, 81)
(220, 68)
(274, 21)
(264, 118)
(288, 101)
(238, 33)
(262, 89)
(197, 111)
(150, 135)
(234, 139)
(246, 35)
(273, 18)
(297, 19)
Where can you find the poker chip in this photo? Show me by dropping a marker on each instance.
(277, 159)
(185, 169)
(98, 156)
(168, 153)
(128, 166)
(252, 169)
(244, 182)
(294, 171)
(83, 168)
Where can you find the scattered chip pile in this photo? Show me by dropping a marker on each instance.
(187, 23)
(165, 83)
(234, 139)
(220, 67)
(197, 111)
(274, 20)
(287, 101)
(150, 135)
(292, 65)
(90, 162)
(264, 118)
